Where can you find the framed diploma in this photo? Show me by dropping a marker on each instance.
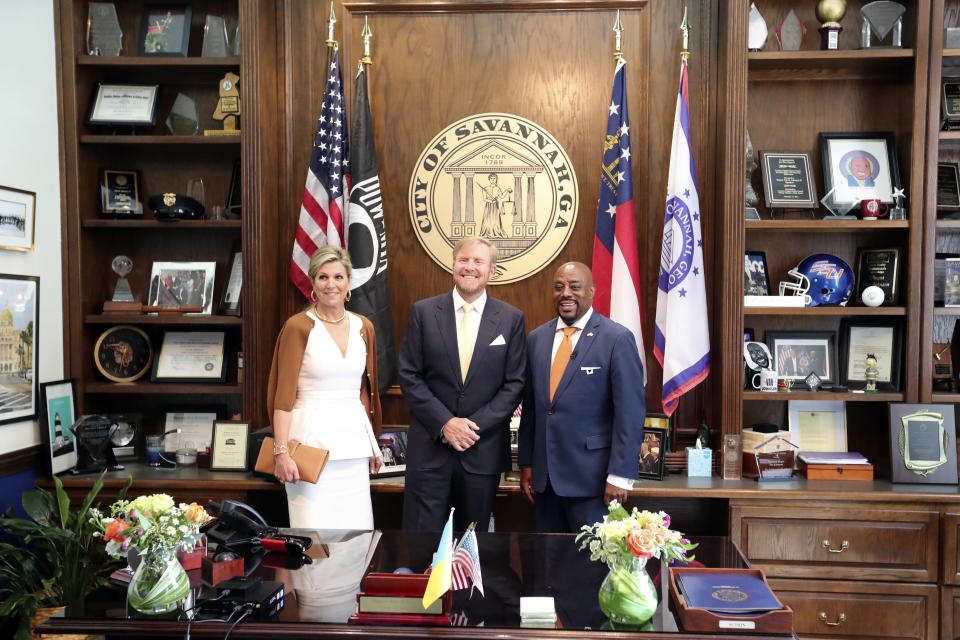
(880, 337)
(923, 443)
(228, 451)
(130, 105)
(191, 356)
(817, 425)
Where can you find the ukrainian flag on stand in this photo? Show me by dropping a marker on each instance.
(441, 574)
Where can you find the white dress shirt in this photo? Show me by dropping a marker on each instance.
(581, 323)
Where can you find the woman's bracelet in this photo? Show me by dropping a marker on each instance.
(280, 448)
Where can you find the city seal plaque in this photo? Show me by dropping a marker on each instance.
(498, 176)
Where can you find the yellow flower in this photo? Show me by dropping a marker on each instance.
(196, 513)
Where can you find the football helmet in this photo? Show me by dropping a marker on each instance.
(821, 279)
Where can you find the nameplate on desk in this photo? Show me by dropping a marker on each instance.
(388, 471)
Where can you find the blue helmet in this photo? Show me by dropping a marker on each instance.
(820, 279)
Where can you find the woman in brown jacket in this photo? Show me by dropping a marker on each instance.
(323, 393)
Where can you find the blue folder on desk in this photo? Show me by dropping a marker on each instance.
(727, 593)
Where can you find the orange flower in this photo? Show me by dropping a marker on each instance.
(641, 542)
(113, 529)
(196, 513)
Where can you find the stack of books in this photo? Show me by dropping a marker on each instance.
(538, 613)
(397, 598)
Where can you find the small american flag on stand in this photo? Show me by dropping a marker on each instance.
(466, 563)
(323, 211)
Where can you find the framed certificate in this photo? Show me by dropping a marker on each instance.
(131, 105)
(879, 337)
(195, 429)
(191, 356)
(817, 425)
(228, 451)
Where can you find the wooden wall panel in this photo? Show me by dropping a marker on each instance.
(546, 61)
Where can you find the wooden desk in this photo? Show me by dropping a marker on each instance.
(322, 595)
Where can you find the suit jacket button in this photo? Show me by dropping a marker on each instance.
(550, 412)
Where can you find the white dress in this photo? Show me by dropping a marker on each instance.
(328, 413)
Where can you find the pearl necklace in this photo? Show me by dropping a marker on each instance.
(320, 315)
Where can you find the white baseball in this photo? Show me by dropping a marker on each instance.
(872, 296)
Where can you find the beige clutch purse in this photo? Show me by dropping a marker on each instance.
(310, 461)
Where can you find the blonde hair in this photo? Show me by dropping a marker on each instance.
(329, 253)
(469, 241)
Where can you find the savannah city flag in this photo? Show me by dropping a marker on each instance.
(681, 336)
(367, 237)
(321, 219)
(616, 266)
(440, 575)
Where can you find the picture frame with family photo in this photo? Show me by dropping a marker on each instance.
(652, 451)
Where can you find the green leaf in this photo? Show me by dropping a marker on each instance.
(38, 504)
(123, 492)
(94, 490)
(63, 501)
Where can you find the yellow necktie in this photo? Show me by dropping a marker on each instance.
(561, 360)
(465, 341)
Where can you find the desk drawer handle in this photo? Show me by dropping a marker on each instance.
(823, 619)
(844, 545)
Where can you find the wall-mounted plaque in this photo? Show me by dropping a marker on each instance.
(787, 180)
(923, 443)
(129, 105)
(948, 187)
(950, 105)
(881, 268)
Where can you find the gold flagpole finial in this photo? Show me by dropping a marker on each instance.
(618, 29)
(331, 41)
(366, 34)
(685, 27)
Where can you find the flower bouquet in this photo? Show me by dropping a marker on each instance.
(625, 541)
(156, 527)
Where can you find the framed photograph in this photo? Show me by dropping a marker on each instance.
(18, 210)
(951, 282)
(818, 425)
(19, 301)
(230, 305)
(182, 284)
(234, 196)
(165, 30)
(756, 282)
(880, 337)
(788, 180)
(660, 421)
(797, 354)
(119, 104)
(859, 166)
(228, 451)
(940, 276)
(923, 444)
(59, 414)
(881, 268)
(393, 446)
(651, 453)
(191, 356)
(120, 192)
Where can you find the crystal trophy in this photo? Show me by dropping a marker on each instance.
(880, 18)
(93, 435)
(215, 42)
(184, 118)
(757, 30)
(104, 36)
(898, 212)
(837, 210)
(830, 13)
(790, 32)
(122, 266)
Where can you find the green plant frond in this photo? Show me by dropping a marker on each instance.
(123, 492)
(39, 505)
(94, 490)
(63, 502)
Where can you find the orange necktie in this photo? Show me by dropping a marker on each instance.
(561, 360)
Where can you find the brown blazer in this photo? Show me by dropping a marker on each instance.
(288, 356)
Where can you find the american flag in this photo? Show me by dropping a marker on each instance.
(616, 265)
(323, 209)
(466, 563)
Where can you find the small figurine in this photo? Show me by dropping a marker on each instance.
(871, 373)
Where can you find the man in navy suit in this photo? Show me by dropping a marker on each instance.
(583, 410)
(462, 366)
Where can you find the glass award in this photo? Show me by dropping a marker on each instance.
(757, 30)
(93, 434)
(184, 118)
(215, 42)
(879, 19)
(898, 212)
(122, 266)
(837, 210)
(790, 32)
(104, 36)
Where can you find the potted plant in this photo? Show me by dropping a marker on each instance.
(51, 558)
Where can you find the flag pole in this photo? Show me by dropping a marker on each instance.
(366, 34)
(685, 28)
(618, 29)
(331, 41)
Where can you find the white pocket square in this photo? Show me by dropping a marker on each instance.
(589, 370)
(498, 341)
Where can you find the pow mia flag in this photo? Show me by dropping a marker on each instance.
(367, 237)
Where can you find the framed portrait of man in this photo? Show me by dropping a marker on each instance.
(859, 166)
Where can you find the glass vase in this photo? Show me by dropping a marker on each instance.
(627, 595)
(159, 584)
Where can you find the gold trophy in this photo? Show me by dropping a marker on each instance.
(830, 13)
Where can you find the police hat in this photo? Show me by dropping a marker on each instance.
(172, 206)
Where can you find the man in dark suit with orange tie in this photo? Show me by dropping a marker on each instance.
(462, 366)
(583, 409)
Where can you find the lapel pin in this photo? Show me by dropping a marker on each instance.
(590, 335)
